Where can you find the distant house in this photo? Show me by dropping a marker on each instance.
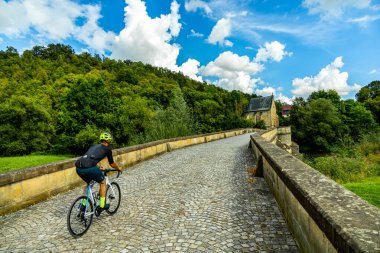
(264, 109)
(286, 110)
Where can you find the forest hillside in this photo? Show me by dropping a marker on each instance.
(54, 100)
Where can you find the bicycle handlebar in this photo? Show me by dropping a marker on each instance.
(106, 171)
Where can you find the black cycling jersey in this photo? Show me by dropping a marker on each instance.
(94, 155)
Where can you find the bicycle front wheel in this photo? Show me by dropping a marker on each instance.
(79, 217)
(113, 197)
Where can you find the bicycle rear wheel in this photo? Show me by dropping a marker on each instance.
(113, 197)
(79, 217)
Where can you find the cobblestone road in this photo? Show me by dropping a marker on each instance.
(197, 199)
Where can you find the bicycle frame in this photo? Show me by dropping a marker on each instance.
(90, 195)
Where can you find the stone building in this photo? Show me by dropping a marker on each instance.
(263, 108)
(286, 110)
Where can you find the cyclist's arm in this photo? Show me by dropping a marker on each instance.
(111, 161)
(115, 166)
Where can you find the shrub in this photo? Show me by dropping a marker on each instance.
(342, 169)
(260, 124)
(86, 138)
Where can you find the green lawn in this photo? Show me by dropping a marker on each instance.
(19, 162)
(368, 189)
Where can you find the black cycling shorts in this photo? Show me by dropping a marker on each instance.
(89, 174)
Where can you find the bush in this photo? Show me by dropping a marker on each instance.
(14, 148)
(25, 126)
(370, 144)
(342, 169)
(86, 138)
(260, 124)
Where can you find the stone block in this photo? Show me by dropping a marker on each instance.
(71, 176)
(161, 148)
(132, 158)
(56, 180)
(148, 152)
(10, 193)
(34, 187)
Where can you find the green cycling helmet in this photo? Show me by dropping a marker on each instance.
(105, 136)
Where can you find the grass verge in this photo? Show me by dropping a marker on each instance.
(368, 189)
(20, 162)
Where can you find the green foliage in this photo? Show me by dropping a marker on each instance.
(260, 124)
(317, 126)
(357, 118)
(352, 162)
(175, 121)
(342, 169)
(56, 101)
(86, 137)
(325, 123)
(369, 91)
(369, 95)
(25, 126)
(282, 120)
(331, 95)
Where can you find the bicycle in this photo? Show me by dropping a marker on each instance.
(80, 215)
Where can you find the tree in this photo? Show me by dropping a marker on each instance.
(175, 121)
(85, 103)
(282, 120)
(317, 126)
(370, 91)
(369, 95)
(357, 118)
(25, 126)
(331, 95)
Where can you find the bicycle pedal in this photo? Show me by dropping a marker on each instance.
(98, 211)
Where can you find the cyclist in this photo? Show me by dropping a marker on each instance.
(87, 169)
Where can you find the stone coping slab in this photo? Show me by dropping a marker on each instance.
(350, 223)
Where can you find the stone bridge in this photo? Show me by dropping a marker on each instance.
(198, 199)
(203, 198)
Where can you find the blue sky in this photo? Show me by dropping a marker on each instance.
(288, 48)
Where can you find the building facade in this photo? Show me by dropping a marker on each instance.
(263, 108)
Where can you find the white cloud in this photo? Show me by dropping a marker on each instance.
(284, 99)
(333, 9)
(195, 34)
(364, 19)
(249, 48)
(228, 43)
(329, 77)
(91, 34)
(193, 5)
(234, 71)
(273, 50)
(191, 69)
(146, 39)
(220, 31)
(53, 20)
(266, 91)
(374, 71)
(13, 18)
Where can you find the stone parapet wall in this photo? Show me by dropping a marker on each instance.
(24, 187)
(322, 215)
(270, 135)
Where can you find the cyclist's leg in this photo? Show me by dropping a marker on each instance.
(97, 175)
(102, 192)
(87, 177)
